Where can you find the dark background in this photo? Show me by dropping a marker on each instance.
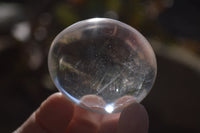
(28, 27)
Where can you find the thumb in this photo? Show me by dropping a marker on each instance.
(133, 119)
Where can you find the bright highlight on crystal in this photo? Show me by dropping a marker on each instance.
(102, 64)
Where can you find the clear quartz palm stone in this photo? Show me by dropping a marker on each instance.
(102, 64)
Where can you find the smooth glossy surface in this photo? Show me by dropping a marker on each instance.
(102, 64)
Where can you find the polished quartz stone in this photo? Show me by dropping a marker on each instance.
(102, 64)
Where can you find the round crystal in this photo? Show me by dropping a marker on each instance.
(102, 64)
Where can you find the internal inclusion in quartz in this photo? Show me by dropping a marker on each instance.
(102, 64)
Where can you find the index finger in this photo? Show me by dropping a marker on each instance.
(53, 116)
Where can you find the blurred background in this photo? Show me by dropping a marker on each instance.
(27, 28)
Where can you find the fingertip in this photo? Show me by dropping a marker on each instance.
(109, 123)
(93, 103)
(85, 120)
(55, 113)
(134, 118)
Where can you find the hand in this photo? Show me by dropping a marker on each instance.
(59, 115)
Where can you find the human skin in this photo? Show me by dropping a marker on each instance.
(59, 115)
